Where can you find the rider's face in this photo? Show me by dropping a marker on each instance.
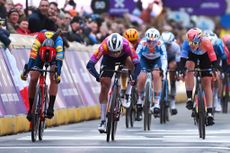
(115, 54)
(194, 45)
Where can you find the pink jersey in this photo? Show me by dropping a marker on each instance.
(104, 50)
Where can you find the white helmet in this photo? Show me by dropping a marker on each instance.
(152, 34)
(211, 35)
(115, 42)
(168, 37)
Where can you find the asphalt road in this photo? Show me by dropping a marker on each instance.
(179, 135)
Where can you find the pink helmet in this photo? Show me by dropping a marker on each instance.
(194, 36)
(226, 39)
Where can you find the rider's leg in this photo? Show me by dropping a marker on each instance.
(220, 88)
(157, 86)
(206, 84)
(172, 75)
(189, 83)
(52, 93)
(32, 91)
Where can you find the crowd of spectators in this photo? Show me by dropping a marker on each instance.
(79, 25)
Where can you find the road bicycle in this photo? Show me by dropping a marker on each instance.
(114, 105)
(200, 109)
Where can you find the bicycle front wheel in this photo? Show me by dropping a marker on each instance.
(201, 115)
(146, 107)
(35, 123)
(42, 119)
(111, 115)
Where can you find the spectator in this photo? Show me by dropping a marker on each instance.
(4, 34)
(9, 5)
(23, 27)
(38, 19)
(19, 8)
(13, 18)
(53, 11)
(3, 12)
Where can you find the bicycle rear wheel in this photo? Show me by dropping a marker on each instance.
(201, 115)
(36, 116)
(131, 111)
(146, 107)
(42, 120)
(111, 115)
(163, 108)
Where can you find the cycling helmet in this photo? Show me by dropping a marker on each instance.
(47, 52)
(168, 37)
(115, 42)
(152, 34)
(211, 35)
(226, 39)
(194, 36)
(131, 34)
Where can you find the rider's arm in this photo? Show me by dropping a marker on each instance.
(129, 49)
(164, 61)
(60, 54)
(184, 55)
(219, 48)
(95, 58)
(207, 46)
(34, 51)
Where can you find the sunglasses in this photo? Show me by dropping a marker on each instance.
(194, 43)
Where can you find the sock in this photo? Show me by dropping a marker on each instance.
(173, 88)
(209, 110)
(189, 94)
(157, 96)
(52, 100)
(103, 111)
(31, 101)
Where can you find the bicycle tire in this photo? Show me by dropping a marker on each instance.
(147, 114)
(163, 105)
(201, 115)
(127, 117)
(110, 114)
(134, 97)
(36, 116)
(42, 120)
(116, 114)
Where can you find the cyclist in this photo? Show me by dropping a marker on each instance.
(197, 47)
(132, 36)
(153, 57)
(226, 40)
(219, 48)
(114, 49)
(44, 41)
(173, 53)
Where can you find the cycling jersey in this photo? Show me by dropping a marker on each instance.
(58, 45)
(205, 46)
(174, 50)
(219, 49)
(153, 51)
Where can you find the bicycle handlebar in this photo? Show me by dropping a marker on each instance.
(200, 70)
(41, 70)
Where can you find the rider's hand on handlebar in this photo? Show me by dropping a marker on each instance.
(25, 72)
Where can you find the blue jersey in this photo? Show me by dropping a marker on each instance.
(218, 46)
(153, 51)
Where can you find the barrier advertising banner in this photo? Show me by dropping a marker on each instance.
(10, 97)
(77, 66)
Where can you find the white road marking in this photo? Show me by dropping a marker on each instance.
(114, 147)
